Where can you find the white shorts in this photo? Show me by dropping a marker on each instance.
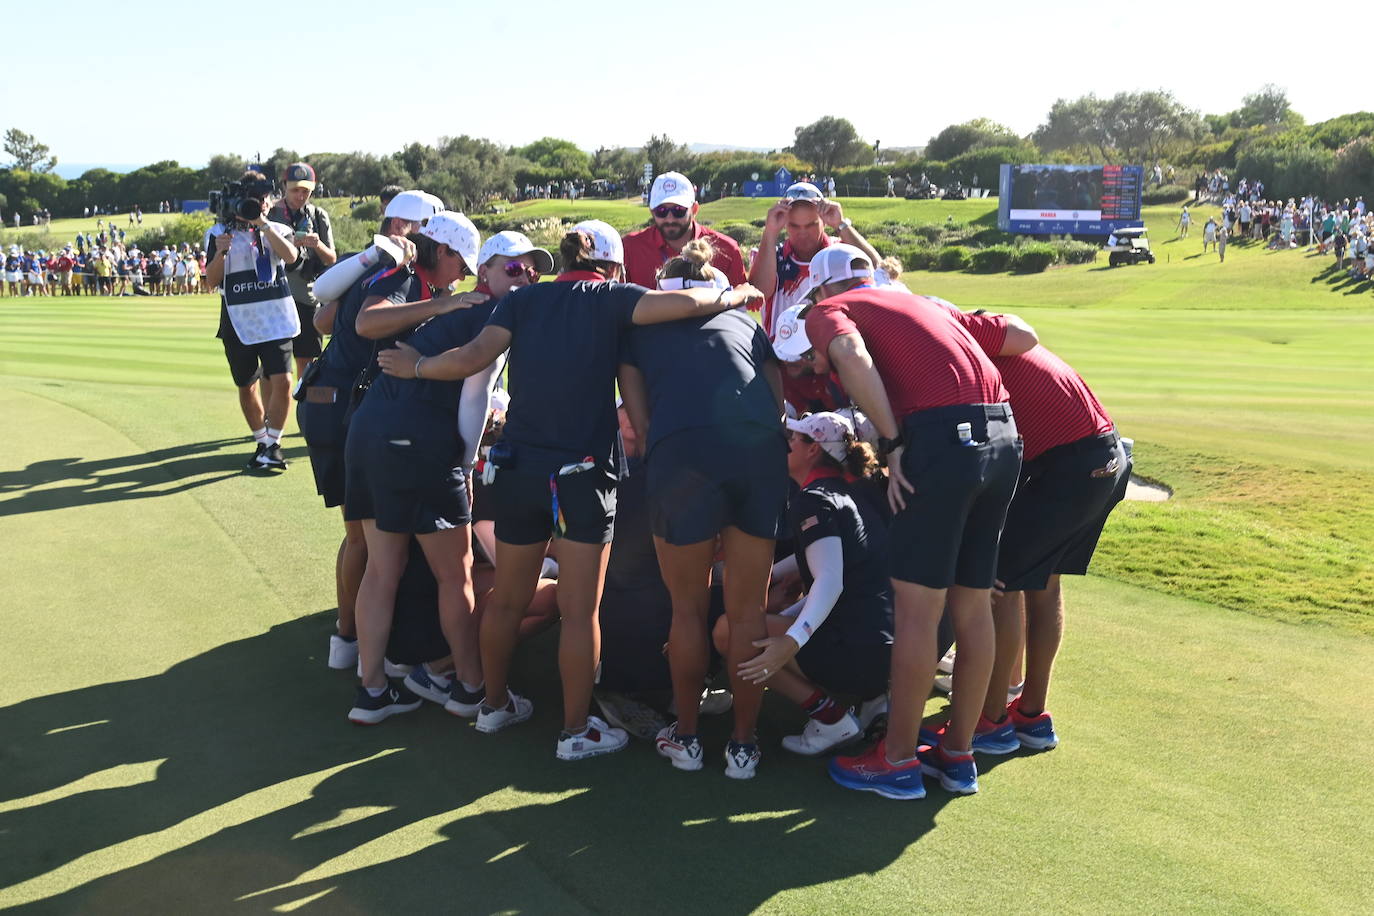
(35, 278)
(13, 276)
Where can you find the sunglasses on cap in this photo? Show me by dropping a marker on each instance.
(514, 269)
(663, 211)
(803, 194)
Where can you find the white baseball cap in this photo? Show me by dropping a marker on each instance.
(803, 190)
(413, 206)
(672, 188)
(790, 340)
(863, 426)
(451, 228)
(606, 244)
(512, 244)
(831, 431)
(831, 265)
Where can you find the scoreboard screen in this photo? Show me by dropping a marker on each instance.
(1069, 199)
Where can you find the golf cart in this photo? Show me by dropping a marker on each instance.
(1129, 246)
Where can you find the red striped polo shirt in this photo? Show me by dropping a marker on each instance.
(1052, 404)
(925, 359)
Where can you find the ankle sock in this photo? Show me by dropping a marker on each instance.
(375, 691)
(273, 436)
(822, 708)
(260, 435)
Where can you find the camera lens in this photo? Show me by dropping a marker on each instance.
(250, 208)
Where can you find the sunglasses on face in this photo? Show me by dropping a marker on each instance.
(515, 269)
(663, 211)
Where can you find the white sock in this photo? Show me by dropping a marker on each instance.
(273, 436)
(473, 688)
(375, 691)
(260, 435)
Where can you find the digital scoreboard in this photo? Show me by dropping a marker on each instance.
(1069, 199)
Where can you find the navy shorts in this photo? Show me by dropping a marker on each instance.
(949, 531)
(326, 434)
(841, 667)
(308, 343)
(250, 362)
(407, 481)
(524, 503)
(1061, 505)
(702, 481)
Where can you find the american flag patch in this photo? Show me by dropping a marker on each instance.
(810, 523)
(806, 626)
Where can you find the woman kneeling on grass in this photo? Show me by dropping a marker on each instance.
(555, 475)
(842, 557)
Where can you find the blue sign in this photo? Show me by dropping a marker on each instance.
(782, 180)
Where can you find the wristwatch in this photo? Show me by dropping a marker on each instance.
(845, 223)
(886, 446)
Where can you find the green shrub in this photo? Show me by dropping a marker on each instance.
(1071, 251)
(953, 257)
(742, 232)
(993, 236)
(188, 227)
(1034, 257)
(368, 211)
(919, 257)
(1165, 194)
(992, 259)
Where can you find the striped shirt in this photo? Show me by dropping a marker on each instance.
(925, 359)
(1052, 404)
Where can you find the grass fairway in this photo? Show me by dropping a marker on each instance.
(170, 739)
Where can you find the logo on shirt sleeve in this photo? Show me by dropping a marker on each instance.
(810, 523)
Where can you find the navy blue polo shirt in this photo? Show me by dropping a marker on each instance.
(348, 352)
(566, 338)
(833, 507)
(704, 372)
(397, 284)
(440, 333)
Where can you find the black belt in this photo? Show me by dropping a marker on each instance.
(1000, 411)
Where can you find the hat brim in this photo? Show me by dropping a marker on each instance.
(303, 183)
(792, 349)
(681, 200)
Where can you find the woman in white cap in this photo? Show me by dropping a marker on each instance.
(410, 444)
(555, 476)
(325, 390)
(841, 542)
(703, 394)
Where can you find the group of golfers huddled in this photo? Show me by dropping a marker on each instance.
(787, 473)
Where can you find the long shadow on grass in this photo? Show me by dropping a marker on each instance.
(233, 782)
(161, 472)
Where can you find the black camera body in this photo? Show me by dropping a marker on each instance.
(240, 201)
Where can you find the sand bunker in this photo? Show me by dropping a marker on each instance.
(1148, 491)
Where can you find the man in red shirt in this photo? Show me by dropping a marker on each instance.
(953, 457)
(780, 269)
(62, 266)
(1073, 473)
(673, 207)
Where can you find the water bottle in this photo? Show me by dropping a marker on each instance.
(965, 433)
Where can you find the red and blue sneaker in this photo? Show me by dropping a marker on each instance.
(1034, 732)
(993, 738)
(871, 772)
(956, 772)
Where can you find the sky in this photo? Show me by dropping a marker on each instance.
(375, 76)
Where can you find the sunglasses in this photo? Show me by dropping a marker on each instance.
(515, 269)
(663, 211)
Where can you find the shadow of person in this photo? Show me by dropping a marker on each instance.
(161, 472)
(233, 782)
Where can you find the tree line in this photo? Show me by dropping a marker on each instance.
(1262, 138)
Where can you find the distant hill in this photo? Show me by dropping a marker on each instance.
(70, 170)
(725, 148)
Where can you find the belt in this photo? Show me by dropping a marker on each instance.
(320, 394)
(1000, 411)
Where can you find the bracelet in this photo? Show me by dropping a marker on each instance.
(721, 297)
(417, 365)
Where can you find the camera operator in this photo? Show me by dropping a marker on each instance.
(315, 238)
(258, 317)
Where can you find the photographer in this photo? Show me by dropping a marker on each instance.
(315, 238)
(258, 317)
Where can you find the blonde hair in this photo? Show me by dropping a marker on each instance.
(694, 263)
(891, 265)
